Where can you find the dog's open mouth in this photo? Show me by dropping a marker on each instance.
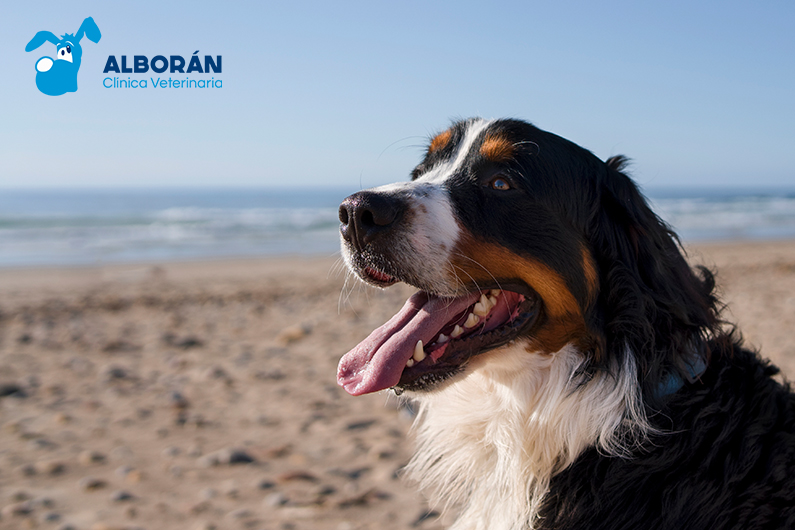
(431, 338)
(379, 278)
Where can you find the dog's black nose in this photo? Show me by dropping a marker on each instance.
(368, 215)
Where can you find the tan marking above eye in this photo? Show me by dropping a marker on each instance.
(497, 148)
(440, 141)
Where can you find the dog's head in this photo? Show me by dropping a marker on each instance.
(57, 76)
(511, 233)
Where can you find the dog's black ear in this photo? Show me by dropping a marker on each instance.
(651, 304)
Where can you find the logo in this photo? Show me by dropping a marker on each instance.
(58, 76)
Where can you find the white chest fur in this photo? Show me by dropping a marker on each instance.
(488, 444)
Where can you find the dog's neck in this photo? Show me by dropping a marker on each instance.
(489, 444)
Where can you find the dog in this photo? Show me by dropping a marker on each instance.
(571, 369)
(59, 76)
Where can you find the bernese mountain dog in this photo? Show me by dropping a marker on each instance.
(571, 369)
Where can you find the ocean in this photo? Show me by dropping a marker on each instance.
(82, 227)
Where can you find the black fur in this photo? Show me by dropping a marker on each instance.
(651, 302)
(725, 461)
(724, 454)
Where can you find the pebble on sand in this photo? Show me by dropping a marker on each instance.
(26, 470)
(226, 457)
(297, 476)
(88, 458)
(275, 499)
(170, 452)
(12, 390)
(91, 483)
(121, 496)
(50, 467)
(292, 334)
(114, 373)
(18, 509)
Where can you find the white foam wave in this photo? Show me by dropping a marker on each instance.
(754, 217)
(78, 231)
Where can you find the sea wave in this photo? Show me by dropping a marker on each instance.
(48, 228)
(729, 217)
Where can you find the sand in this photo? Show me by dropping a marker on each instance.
(202, 395)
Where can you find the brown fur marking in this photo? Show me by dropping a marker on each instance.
(440, 141)
(589, 270)
(497, 148)
(564, 321)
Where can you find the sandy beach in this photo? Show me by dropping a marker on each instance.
(202, 395)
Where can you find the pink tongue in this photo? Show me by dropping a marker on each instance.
(378, 361)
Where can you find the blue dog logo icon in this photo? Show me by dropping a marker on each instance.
(58, 76)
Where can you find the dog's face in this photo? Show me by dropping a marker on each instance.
(492, 231)
(555, 311)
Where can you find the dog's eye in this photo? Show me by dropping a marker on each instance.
(65, 54)
(499, 184)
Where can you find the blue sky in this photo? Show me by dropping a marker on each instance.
(345, 94)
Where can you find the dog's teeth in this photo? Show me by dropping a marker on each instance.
(419, 353)
(457, 331)
(493, 300)
(442, 338)
(496, 292)
(483, 307)
(410, 363)
(472, 321)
